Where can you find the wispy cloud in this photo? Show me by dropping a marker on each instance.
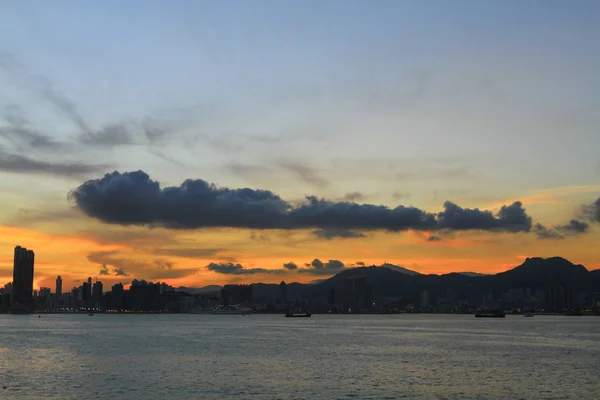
(21, 164)
(307, 174)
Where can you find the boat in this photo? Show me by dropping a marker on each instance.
(234, 309)
(298, 314)
(490, 314)
(529, 315)
(91, 314)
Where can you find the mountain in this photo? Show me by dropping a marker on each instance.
(202, 290)
(400, 269)
(473, 274)
(392, 281)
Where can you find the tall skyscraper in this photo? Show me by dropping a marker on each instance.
(22, 293)
(58, 286)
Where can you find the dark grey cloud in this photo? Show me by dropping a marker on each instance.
(238, 269)
(104, 270)
(318, 267)
(306, 174)
(434, 238)
(290, 266)
(509, 219)
(574, 226)
(132, 198)
(331, 233)
(544, 233)
(362, 264)
(21, 164)
(324, 214)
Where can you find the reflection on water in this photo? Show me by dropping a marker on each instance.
(324, 357)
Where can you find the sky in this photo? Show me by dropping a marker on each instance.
(197, 142)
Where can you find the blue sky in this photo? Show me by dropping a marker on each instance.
(512, 85)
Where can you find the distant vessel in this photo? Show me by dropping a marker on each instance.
(91, 314)
(297, 313)
(529, 315)
(572, 313)
(234, 309)
(291, 314)
(490, 314)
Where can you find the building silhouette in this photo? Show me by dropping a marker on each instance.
(236, 294)
(58, 290)
(22, 290)
(358, 294)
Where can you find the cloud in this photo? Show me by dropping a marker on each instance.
(434, 238)
(120, 272)
(330, 233)
(248, 171)
(44, 88)
(401, 195)
(18, 131)
(362, 264)
(318, 267)
(260, 237)
(544, 233)
(21, 164)
(111, 135)
(190, 252)
(592, 211)
(238, 269)
(104, 270)
(306, 174)
(132, 198)
(354, 196)
(290, 266)
(122, 266)
(509, 219)
(574, 226)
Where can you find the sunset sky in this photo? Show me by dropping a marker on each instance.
(332, 114)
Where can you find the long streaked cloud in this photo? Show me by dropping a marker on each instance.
(14, 163)
(132, 198)
(316, 267)
(573, 227)
(238, 269)
(17, 128)
(332, 233)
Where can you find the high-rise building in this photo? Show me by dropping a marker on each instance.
(358, 294)
(58, 286)
(22, 292)
(97, 291)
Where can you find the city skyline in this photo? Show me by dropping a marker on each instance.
(288, 142)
